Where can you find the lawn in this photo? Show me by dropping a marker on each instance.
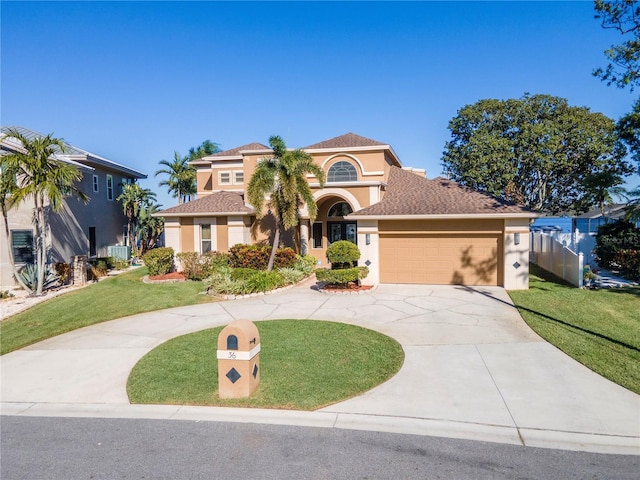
(598, 328)
(110, 298)
(304, 365)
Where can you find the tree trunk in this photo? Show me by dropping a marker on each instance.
(274, 247)
(41, 245)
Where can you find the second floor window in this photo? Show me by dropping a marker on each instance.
(342, 172)
(224, 178)
(109, 187)
(95, 183)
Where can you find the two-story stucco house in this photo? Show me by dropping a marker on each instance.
(409, 229)
(78, 229)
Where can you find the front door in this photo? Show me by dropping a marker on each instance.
(342, 231)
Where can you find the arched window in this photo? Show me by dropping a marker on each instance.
(340, 209)
(342, 172)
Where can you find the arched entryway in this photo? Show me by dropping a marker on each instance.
(331, 224)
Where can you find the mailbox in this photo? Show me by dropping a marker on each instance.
(238, 359)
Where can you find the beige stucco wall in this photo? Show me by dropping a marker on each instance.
(516, 257)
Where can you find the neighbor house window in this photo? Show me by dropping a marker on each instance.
(109, 187)
(95, 184)
(342, 172)
(22, 245)
(317, 235)
(205, 238)
(238, 177)
(224, 178)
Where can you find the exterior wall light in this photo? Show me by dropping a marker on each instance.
(516, 238)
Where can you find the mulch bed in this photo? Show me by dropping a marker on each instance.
(352, 287)
(173, 276)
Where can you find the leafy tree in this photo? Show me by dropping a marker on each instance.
(283, 178)
(535, 151)
(182, 177)
(134, 200)
(618, 247)
(600, 188)
(39, 176)
(205, 148)
(624, 67)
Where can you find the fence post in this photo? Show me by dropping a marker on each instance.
(580, 270)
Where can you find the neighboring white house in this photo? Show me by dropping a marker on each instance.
(78, 229)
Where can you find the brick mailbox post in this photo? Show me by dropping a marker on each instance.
(238, 359)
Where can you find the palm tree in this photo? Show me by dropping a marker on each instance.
(134, 199)
(41, 176)
(182, 177)
(600, 188)
(149, 227)
(283, 177)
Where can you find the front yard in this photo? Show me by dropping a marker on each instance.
(598, 328)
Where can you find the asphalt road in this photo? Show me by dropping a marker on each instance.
(34, 448)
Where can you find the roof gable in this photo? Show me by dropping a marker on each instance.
(348, 140)
(235, 152)
(410, 194)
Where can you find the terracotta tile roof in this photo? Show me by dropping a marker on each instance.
(411, 194)
(346, 141)
(216, 203)
(235, 152)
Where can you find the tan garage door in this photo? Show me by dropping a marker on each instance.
(465, 259)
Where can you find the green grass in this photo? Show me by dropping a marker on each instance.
(304, 365)
(110, 298)
(598, 328)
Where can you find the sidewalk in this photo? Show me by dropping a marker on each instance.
(472, 370)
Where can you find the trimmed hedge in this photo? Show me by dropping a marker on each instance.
(341, 277)
(343, 254)
(159, 261)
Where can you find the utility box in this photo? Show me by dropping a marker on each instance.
(238, 360)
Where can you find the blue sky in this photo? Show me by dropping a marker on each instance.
(134, 81)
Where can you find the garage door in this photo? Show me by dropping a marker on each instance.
(465, 259)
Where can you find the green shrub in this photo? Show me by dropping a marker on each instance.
(243, 273)
(343, 276)
(159, 261)
(264, 281)
(291, 275)
(618, 247)
(343, 254)
(198, 267)
(120, 264)
(305, 263)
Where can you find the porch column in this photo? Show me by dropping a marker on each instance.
(304, 237)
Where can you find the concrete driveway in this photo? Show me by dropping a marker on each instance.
(473, 369)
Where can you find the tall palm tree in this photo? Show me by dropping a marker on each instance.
(283, 179)
(182, 177)
(44, 178)
(134, 199)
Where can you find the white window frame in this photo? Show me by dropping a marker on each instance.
(228, 175)
(197, 237)
(109, 187)
(235, 177)
(96, 183)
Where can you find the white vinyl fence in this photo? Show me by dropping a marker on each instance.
(553, 256)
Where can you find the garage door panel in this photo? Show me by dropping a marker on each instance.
(469, 259)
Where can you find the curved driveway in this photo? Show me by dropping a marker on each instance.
(473, 370)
